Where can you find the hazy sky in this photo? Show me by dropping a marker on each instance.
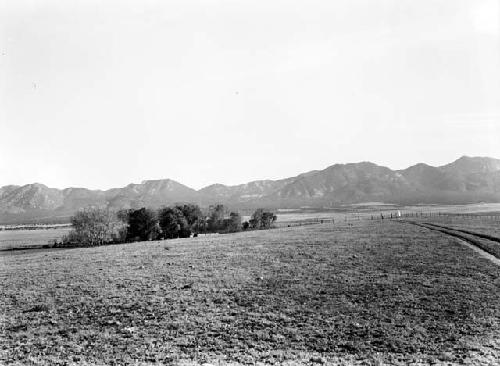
(103, 93)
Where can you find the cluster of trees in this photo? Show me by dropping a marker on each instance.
(97, 226)
(262, 219)
(219, 221)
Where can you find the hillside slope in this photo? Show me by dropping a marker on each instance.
(466, 180)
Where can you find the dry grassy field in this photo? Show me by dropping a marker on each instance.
(483, 224)
(32, 238)
(374, 293)
(483, 231)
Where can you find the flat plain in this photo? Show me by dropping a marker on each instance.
(483, 224)
(30, 238)
(481, 230)
(367, 292)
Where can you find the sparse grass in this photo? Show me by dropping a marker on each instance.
(372, 293)
(489, 225)
(30, 238)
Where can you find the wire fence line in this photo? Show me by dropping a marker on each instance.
(349, 218)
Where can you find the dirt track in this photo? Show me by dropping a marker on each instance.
(486, 245)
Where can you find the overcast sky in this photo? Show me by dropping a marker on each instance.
(103, 93)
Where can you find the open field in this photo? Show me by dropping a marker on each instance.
(486, 243)
(367, 211)
(378, 292)
(480, 230)
(475, 208)
(489, 225)
(32, 238)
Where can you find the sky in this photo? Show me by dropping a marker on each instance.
(101, 94)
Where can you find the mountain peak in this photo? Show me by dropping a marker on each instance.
(157, 181)
(466, 180)
(37, 185)
(475, 164)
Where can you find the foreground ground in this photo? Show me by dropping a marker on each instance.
(372, 293)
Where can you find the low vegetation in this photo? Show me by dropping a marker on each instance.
(488, 224)
(481, 231)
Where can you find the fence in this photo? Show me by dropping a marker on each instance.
(304, 222)
(479, 215)
(387, 215)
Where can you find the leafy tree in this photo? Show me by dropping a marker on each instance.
(216, 218)
(200, 225)
(256, 219)
(268, 218)
(123, 214)
(192, 213)
(123, 217)
(262, 219)
(142, 224)
(93, 226)
(173, 223)
(233, 224)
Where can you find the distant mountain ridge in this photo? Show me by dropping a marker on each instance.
(466, 180)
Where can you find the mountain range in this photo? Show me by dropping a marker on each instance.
(466, 180)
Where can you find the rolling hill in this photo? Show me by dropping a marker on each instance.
(466, 180)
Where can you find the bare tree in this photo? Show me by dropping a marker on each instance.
(93, 226)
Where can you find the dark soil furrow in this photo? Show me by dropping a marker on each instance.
(482, 236)
(490, 248)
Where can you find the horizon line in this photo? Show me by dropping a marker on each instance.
(238, 184)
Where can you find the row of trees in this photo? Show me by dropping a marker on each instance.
(97, 226)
